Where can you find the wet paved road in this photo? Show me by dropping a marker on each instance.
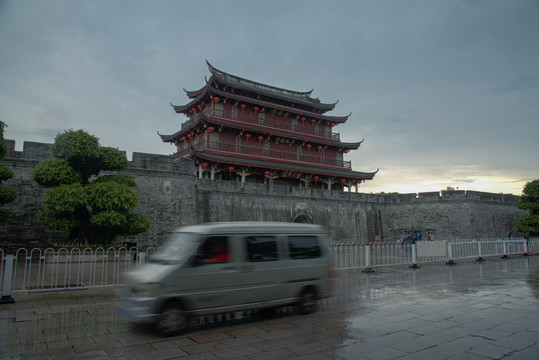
(472, 310)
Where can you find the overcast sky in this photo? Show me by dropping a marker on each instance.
(445, 93)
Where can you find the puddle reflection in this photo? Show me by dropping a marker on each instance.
(384, 282)
(50, 327)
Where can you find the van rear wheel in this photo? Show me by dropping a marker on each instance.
(307, 301)
(172, 319)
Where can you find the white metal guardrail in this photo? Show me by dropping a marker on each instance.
(357, 255)
(39, 270)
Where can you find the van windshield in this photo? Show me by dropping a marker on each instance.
(176, 249)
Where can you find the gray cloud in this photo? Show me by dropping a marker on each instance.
(526, 82)
(439, 90)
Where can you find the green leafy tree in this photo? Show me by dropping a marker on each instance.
(529, 201)
(7, 194)
(95, 208)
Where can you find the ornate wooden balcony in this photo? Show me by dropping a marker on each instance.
(258, 152)
(265, 120)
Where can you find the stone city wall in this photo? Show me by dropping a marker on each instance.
(172, 196)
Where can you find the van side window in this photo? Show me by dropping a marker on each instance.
(261, 248)
(303, 247)
(214, 250)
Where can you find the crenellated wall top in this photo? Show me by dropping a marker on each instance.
(148, 163)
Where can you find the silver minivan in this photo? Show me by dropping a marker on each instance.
(225, 267)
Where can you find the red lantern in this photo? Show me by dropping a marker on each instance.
(319, 147)
(243, 106)
(211, 128)
(316, 178)
(308, 146)
(266, 172)
(302, 119)
(201, 106)
(194, 110)
(260, 138)
(216, 99)
(255, 108)
(345, 151)
(230, 168)
(204, 164)
(343, 181)
(247, 136)
(359, 181)
(190, 136)
(184, 138)
(332, 124)
(313, 121)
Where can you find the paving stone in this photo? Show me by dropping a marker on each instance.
(491, 351)
(209, 337)
(308, 348)
(278, 354)
(162, 354)
(196, 348)
(160, 344)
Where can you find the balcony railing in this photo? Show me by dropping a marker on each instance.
(265, 120)
(311, 157)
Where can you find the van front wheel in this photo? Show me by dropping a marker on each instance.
(172, 319)
(307, 301)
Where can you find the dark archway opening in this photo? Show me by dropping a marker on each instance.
(303, 219)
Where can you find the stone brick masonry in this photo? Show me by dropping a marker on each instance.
(172, 196)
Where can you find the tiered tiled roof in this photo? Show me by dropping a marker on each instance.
(237, 109)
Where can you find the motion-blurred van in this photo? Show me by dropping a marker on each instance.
(226, 267)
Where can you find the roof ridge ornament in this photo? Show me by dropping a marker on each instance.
(224, 75)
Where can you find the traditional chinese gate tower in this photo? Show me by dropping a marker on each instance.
(242, 130)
